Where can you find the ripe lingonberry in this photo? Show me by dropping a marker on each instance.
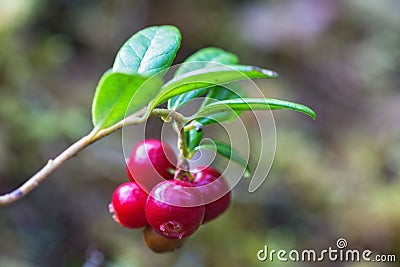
(128, 204)
(150, 162)
(159, 243)
(214, 190)
(172, 209)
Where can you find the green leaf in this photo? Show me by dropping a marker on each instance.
(230, 91)
(253, 104)
(204, 58)
(208, 77)
(193, 138)
(148, 51)
(183, 99)
(218, 93)
(226, 151)
(118, 95)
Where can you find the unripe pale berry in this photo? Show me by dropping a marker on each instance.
(159, 243)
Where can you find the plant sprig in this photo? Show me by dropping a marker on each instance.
(133, 88)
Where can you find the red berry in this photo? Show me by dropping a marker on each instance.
(150, 162)
(214, 190)
(173, 210)
(128, 204)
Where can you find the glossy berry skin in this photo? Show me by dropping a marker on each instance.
(158, 243)
(150, 162)
(128, 204)
(170, 209)
(214, 188)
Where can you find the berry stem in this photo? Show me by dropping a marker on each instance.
(194, 125)
(183, 164)
(93, 136)
(179, 122)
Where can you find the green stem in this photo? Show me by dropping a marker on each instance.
(183, 164)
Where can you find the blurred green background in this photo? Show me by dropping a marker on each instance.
(338, 176)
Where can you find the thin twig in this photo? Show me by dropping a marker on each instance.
(85, 141)
(50, 167)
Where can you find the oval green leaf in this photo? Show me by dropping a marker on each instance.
(253, 104)
(118, 95)
(148, 51)
(207, 78)
(193, 139)
(200, 60)
(218, 93)
(226, 151)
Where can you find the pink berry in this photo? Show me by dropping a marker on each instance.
(172, 209)
(128, 204)
(151, 162)
(214, 190)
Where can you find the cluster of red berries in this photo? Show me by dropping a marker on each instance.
(170, 209)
